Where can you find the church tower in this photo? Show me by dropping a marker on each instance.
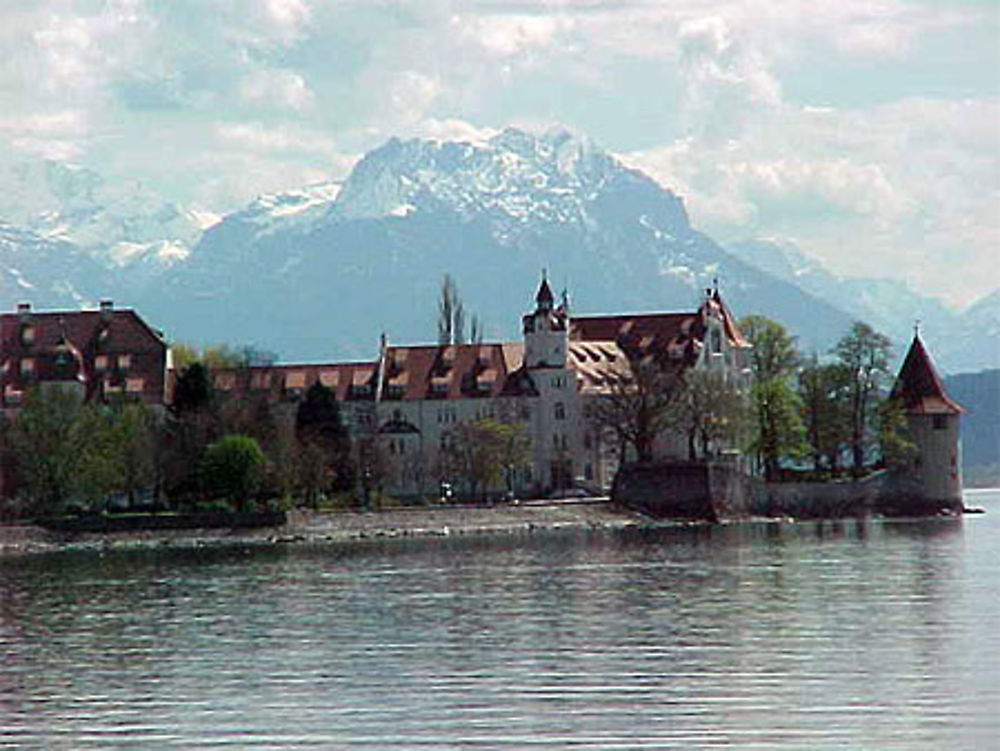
(546, 331)
(557, 427)
(933, 419)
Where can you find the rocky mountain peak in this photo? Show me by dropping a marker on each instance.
(514, 175)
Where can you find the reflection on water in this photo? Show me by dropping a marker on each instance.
(847, 634)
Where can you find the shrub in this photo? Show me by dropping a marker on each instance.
(232, 468)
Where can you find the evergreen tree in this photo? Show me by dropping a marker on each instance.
(324, 443)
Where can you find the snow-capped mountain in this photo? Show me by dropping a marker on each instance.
(48, 272)
(325, 280)
(118, 224)
(320, 272)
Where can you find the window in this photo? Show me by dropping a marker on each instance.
(588, 471)
(560, 411)
(557, 382)
(28, 335)
(124, 362)
(101, 363)
(716, 341)
(27, 366)
(587, 441)
(940, 422)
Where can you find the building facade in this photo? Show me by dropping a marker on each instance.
(411, 400)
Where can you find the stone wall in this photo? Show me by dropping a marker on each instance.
(708, 491)
(715, 491)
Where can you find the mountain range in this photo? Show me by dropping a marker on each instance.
(319, 273)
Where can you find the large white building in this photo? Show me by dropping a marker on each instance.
(411, 399)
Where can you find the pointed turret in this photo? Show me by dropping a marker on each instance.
(934, 477)
(918, 386)
(544, 298)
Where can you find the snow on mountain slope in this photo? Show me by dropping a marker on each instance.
(28, 266)
(514, 176)
(119, 224)
(309, 277)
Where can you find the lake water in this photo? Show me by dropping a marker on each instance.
(861, 636)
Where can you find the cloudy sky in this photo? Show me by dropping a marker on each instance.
(866, 131)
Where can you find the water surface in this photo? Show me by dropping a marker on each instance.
(836, 635)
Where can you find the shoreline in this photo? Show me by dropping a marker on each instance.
(317, 527)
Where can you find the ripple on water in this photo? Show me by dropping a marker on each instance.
(799, 637)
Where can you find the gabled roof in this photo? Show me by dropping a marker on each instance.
(675, 336)
(918, 386)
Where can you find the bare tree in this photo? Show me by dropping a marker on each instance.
(709, 412)
(635, 405)
(864, 353)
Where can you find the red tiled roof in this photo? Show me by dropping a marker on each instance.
(919, 387)
(410, 374)
(105, 347)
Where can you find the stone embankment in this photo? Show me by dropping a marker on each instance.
(318, 527)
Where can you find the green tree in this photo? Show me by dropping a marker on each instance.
(773, 354)
(132, 444)
(864, 354)
(232, 468)
(192, 389)
(823, 395)
(49, 443)
(480, 452)
(778, 429)
(779, 432)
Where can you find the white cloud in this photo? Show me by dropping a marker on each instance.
(280, 89)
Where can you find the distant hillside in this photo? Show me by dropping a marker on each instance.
(961, 341)
(979, 393)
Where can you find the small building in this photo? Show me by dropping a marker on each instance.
(935, 473)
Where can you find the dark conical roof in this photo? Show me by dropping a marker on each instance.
(544, 293)
(919, 387)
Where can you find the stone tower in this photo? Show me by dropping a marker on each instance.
(558, 419)
(933, 420)
(546, 333)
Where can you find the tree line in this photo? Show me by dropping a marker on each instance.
(801, 415)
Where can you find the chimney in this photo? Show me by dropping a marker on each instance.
(107, 310)
(24, 311)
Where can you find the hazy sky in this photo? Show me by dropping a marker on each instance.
(866, 131)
